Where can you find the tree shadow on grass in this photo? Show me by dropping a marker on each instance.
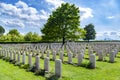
(85, 65)
(106, 61)
(112, 62)
(117, 56)
(52, 77)
(66, 62)
(86, 58)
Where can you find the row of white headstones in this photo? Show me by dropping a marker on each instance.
(104, 49)
(55, 49)
(16, 56)
(76, 50)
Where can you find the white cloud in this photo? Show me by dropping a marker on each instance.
(26, 12)
(32, 23)
(113, 35)
(119, 34)
(99, 34)
(13, 22)
(21, 4)
(110, 17)
(21, 15)
(44, 15)
(8, 9)
(55, 3)
(86, 13)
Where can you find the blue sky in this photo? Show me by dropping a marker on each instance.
(31, 15)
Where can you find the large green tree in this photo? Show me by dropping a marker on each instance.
(63, 24)
(90, 32)
(32, 37)
(2, 30)
(15, 36)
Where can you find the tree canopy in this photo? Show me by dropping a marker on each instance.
(90, 32)
(32, 37)
(63, 24)
(14, 35)
(14, 32)
(2, 30)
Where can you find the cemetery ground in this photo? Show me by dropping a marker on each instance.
(104, 70)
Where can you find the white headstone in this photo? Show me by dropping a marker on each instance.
(112, 56)
(61, 55)
(92, 61)
(19, 56)
(30, 60)
(46, 64)
(7, 53)
(54, 55)
(100, 55)
(69, 57)
(48, 54)
(14, 55)
(37, 62)
(58, 68)
(23, 58)
(80, 58)
(10, 55)
(42, 54)
(90, 52)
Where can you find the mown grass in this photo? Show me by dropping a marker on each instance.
(103, 71)
(10, 72)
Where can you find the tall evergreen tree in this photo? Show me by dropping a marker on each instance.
(90, 32)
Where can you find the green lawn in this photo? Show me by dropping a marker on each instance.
(10, 72)
(104, 71)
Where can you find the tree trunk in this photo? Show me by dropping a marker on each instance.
(63, 41)
(63, 36)
(88, 40)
